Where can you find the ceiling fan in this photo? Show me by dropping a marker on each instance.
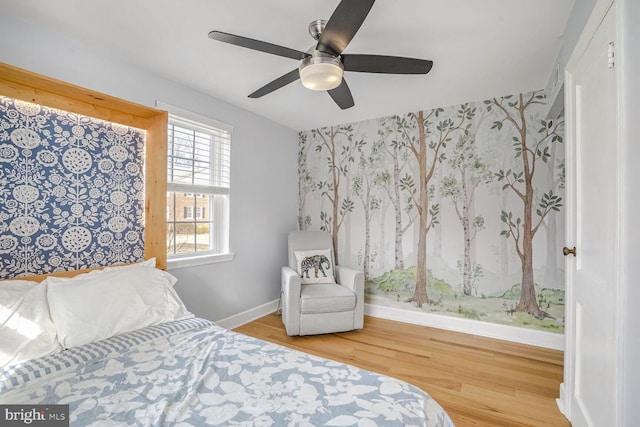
(322, 66)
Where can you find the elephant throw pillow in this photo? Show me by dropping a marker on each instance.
(315, 266)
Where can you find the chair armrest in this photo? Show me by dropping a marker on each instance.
(290, 299)
(350, 278)
(354, 280)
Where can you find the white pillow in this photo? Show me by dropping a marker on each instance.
(90, 308)
(26, 330)
(315, 266)
(150, 263)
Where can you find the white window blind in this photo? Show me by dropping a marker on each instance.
(198, 155)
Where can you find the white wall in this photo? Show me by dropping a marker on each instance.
(263, 169)
(577, 19)
(628, 59)
(575, 24)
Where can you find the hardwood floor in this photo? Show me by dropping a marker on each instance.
(479, 381)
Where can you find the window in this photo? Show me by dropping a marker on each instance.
(198, 185)
(188, 212)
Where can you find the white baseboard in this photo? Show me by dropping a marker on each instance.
(485, 329)
(247, 316)
(562, 401)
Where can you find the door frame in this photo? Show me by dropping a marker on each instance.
(600, 9)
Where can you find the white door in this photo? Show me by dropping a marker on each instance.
(592, 209)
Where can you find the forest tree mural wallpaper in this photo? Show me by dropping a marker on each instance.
(454, 211)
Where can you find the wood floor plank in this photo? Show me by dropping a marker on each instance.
(479, 381)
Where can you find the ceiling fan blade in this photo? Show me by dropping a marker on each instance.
(258, 45)
(291, 76)
(343, 25)
(342, 96)
(386, 64)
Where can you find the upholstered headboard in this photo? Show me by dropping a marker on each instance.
(27, 86)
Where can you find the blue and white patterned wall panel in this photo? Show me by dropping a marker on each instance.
(71, 191)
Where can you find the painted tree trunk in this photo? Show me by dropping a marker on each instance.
(336, 197)
(466, 230)
(466, 263)
(551, 265)
(420, 296)
(471, 212)
(367, 258)
(301, 200)
(397, 210)
(504, 243)
(528, 301)
(367, 237)
(382, 235)
(437, 232)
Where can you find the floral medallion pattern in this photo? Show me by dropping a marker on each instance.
(71, 191)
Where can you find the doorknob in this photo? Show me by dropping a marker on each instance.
(566, 251)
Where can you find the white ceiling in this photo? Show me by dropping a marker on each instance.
(480, 48)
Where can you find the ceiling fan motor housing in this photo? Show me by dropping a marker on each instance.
(316, 27)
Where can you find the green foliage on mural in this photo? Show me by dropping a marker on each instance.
(470, 313)
(439, 286)
(393, 281)
(394, 287)
(553, 296)
(404, 280)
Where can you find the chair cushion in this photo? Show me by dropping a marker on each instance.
(326, 298)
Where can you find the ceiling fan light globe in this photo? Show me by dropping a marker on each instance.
(321, 73)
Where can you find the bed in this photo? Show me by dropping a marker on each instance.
(145, 360)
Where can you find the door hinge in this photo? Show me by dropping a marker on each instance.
(611, 55)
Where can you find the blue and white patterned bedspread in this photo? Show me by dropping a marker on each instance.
(193, 372)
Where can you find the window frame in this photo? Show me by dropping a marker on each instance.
(194, 121)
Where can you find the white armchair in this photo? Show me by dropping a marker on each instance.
(319, 308)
